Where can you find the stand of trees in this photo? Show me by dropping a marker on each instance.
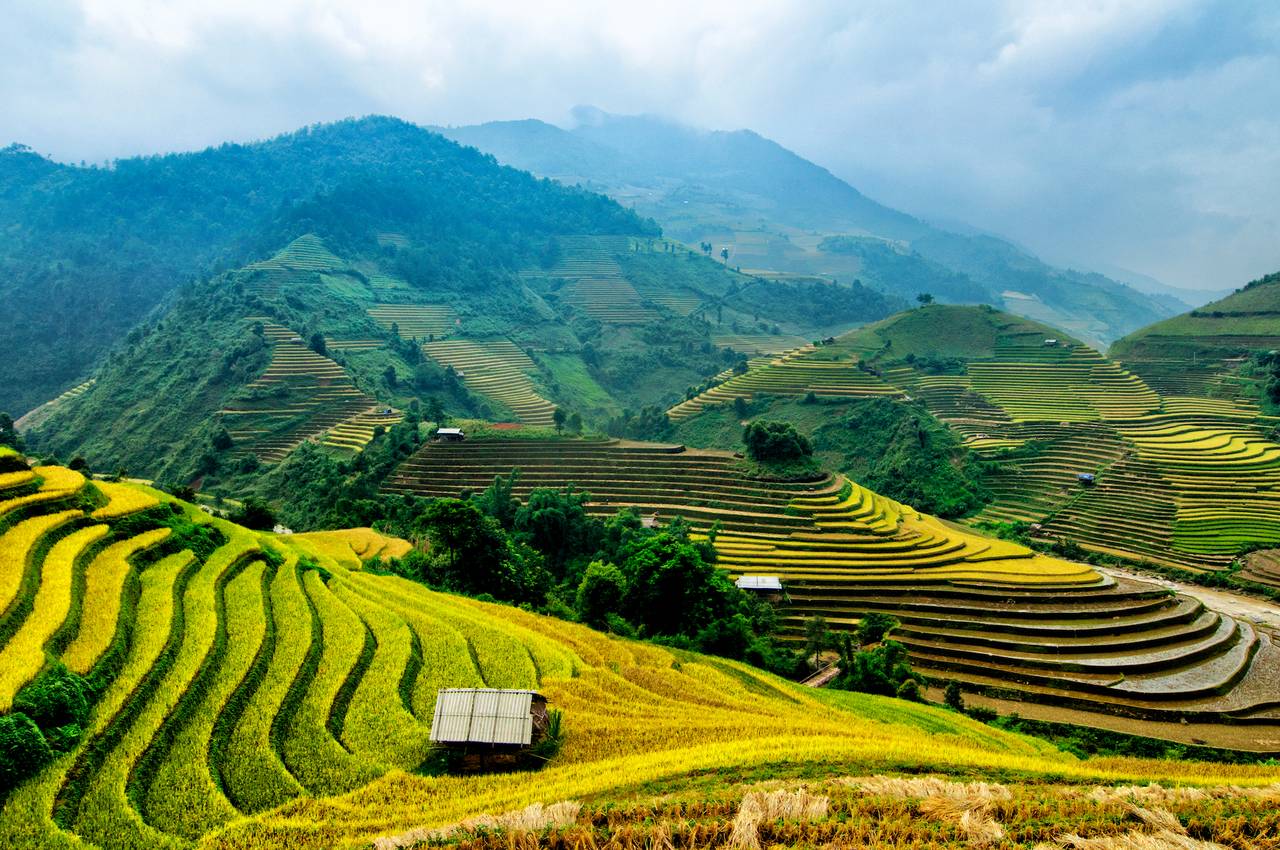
(620, 575)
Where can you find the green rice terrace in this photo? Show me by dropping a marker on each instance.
(1177, 480)
(1200, 353)
(498, 369)
(991, 614)
(301, 394)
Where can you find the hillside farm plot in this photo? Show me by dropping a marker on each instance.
(496, 368)
(681, 302)
(758, 343)
(416, 321)
(823, 372)
(1225, 481)
(609, 300)
(300, 395)
(356, 344)
(248, 686)
(298, 262)
(1032, 382)
(577, 256)
(356, 433)
(988, 613)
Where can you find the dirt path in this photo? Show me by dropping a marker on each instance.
(1259, 612)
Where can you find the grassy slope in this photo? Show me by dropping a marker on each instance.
(945, 332)
(1253, 310)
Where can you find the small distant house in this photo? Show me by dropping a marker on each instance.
(1050, 342)
(1085, 478)
(450, 435)
(650, 521)
(488, 726)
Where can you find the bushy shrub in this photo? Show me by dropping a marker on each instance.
(775, 441)
(601, 593)
(55, 699)
(23, 750)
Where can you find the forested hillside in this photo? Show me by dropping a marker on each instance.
(87, 252)
(474, 292)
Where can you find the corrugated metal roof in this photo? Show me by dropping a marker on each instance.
(759, 583)
(483, 716)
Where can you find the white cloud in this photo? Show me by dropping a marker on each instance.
(1137, 133)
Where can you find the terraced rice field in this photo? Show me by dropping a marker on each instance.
(416, 321)
(758, 343)
(991, 614)
(1180, 481)
(682, 303)
(298, 261)
(353, 344)
(586, 257)
(1226, 483)
(300, 395)
(34, 417)
(821, 371)
(356, 433)
(609, 300)
(247, 688)
(496, 368)
(1032, 382)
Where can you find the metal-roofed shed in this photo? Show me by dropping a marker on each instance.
(767, 584)
(499, 718)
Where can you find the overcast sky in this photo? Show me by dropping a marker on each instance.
(1139, 135)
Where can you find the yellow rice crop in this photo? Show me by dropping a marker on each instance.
(123, 499)
(22, 657)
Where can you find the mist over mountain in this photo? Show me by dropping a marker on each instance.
(773, 209)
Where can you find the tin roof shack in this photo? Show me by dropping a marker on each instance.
(450, 435)
(767, 587)
(490, 729)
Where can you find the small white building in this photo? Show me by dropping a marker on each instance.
(450, 435)
(760, 584)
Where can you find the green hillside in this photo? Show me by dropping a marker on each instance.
(173, 680)
(1206, 352)
(332, 338)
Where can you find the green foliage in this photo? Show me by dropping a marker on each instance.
(775, 441)
(476, 556)
(254, 513)
(555, 522)
(48, 718)
(953, 696)
(874, 626)
(8, 434)
(883, 670)
(600, 594)
(56, 698)
(902, 452)
(23, 750)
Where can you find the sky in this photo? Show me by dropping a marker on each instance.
(1141, 135)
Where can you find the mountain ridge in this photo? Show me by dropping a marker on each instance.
(749, 194)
